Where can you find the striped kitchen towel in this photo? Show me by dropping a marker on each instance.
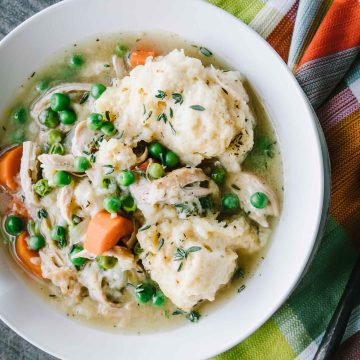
(320, 41)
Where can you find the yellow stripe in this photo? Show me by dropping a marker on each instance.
(266, 343)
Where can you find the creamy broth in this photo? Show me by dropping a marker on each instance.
(264, 160)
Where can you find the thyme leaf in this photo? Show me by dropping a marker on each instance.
(178, 98)
(160, 244)
(161, 94)
(84, 97)
(145, 228)
(162, 116)
(197, 107)
(205, 51)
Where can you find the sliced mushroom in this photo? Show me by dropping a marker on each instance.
(43, 102)
(245, 185)
(179, 186)
(28, 175)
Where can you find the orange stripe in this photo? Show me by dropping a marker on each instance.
(340, 30)
(280, 37)
(344, 146)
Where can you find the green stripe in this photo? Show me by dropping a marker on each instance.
(315, 299)
(266, 343)
(245, 10)
(354, 72)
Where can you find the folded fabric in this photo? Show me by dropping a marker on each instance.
(320, 42)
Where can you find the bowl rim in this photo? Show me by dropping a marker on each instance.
(325, 176)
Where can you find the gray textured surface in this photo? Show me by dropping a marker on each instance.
(12, 13)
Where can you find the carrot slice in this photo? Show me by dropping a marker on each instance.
(138, 57)
(10, 167)
(26, 255)
(105, 232)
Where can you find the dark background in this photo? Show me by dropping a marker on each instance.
(12, 13)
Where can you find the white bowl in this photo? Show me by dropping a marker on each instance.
(27, 48)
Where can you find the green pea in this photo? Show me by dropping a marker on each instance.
(58, 234)
(171, 159)
(230, 201)
(126, 177)
(156, 150)
(59, 101)
(128, 203)
(67, 117)
(49, 118)
(20, 116)
(62, 178)
(158, 299)
(121, 50)
(57, 148)
(97, 90)
(259, 200)
(144, 293)
(81, 164)
(108, 128)
(36, 242)
(76, 61)
(156, 171)
(218, 175)
(79, 261)
(14, 225)
(106, 262)
(55, 136)
(112, 204)
(95, 121)
(42, 188)
(42, 86)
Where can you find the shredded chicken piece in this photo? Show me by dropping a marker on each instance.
(237, 151)
(56, 266)
(119, 66)
(57, 162)
(248, 184)
(92, 277)
(65, 203)
(81, 138)
(125, 257)
(178, 186)
(28, 175)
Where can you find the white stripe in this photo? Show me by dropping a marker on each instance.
(266, 20)
(355, 88)
(282, 5)
(269, 16)
(292, 328)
